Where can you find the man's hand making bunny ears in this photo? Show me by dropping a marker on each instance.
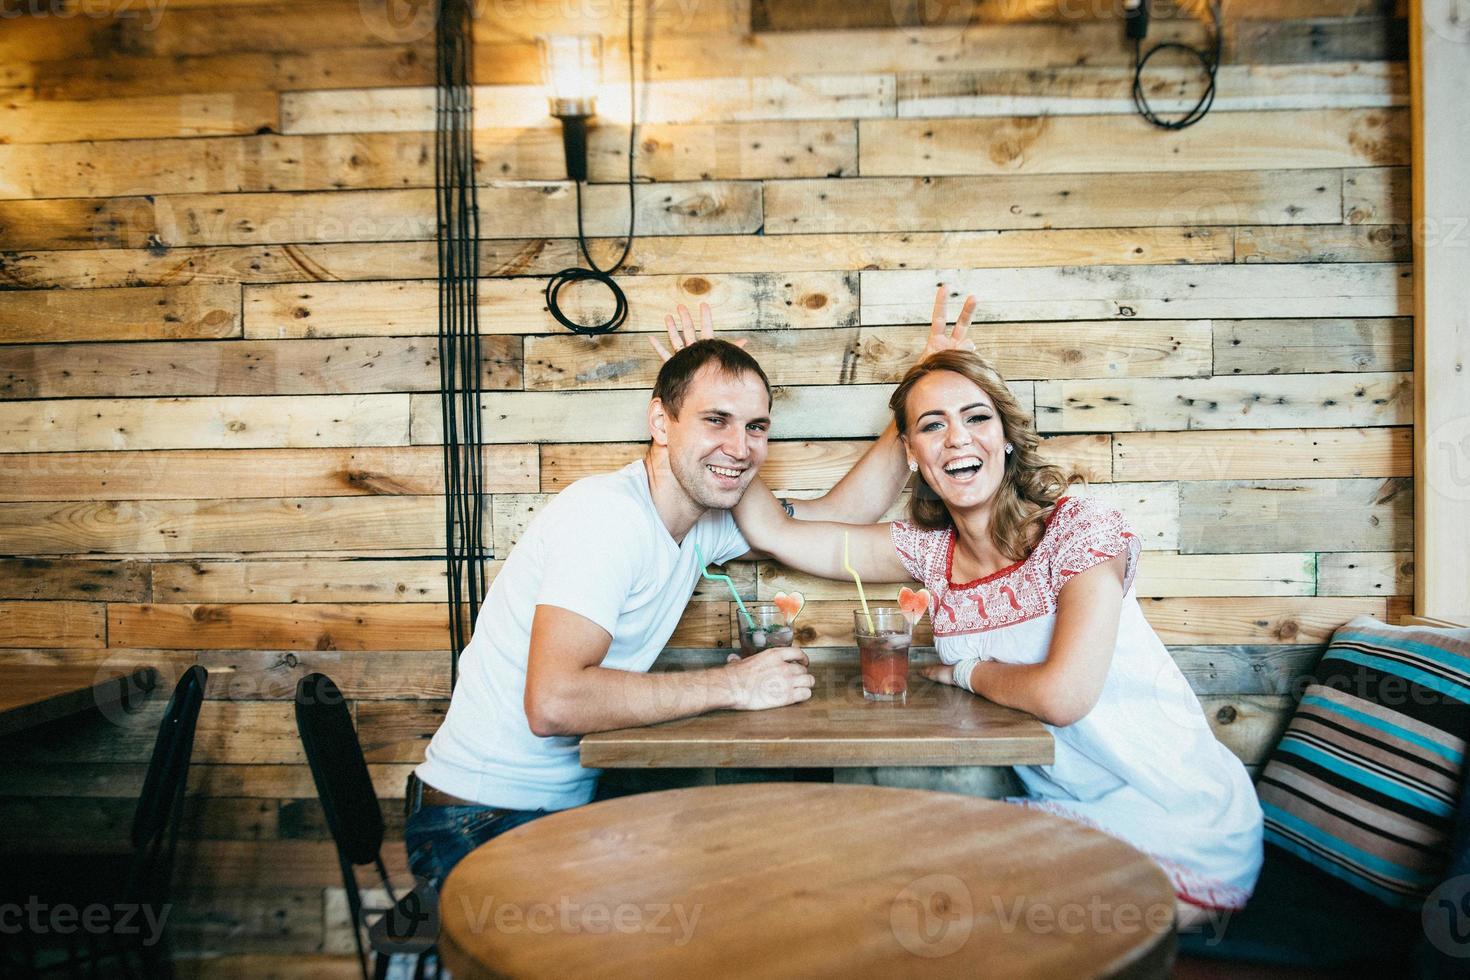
(939, 338)
(681, 334)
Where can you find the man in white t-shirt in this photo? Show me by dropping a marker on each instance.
(591, 593)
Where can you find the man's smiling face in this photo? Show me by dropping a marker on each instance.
(719, 439)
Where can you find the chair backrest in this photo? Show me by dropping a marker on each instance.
(160, 802)
(349, 802)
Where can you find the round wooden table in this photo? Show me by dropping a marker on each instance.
(806, 880)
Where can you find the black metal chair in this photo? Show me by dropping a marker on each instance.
(138, 880)
(410, 925)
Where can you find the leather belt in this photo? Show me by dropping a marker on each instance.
(421, 794)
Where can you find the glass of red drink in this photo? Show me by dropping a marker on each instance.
(770, 629)
(883, 648)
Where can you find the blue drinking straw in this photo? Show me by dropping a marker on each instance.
(726, 579)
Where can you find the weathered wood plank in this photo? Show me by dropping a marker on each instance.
(53, 624)
(1296, 515)
(25, 820)
(195, 114)
(1129, 292)
(810, 412)
(757, 301)
(86, 424)
(801, 15)
(1224, 669)
(1041, 144)
(707, 100)
(71, 269)
(519, 210)
(1313, 346)
(875, 355)
(267, 920)
(1379, 196)
(88, 780)
(118, 75)
(1262, 401)
(244, 367)
(1258, 619)
(308, 524)
(800, 465)
(875, 204)
(1321, 39)
(193, 312)
(101, 580)
(364, 161)
(206, 473)
(1085, 90)
(1245, 454)
(655, 255)
(304, 580)
(1323, 243)
(280, 626)
(86, 223)
(1248, 725)
(1366, 573)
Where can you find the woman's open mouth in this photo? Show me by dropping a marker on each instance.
(964, 469)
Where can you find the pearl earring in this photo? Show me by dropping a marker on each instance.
(1009, 448)
(913, 467)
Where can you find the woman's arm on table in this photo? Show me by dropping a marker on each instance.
(815, 547)
(1064, 687)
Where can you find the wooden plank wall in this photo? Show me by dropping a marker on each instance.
(218, 409)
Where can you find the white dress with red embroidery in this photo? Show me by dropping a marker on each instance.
(1143, 765)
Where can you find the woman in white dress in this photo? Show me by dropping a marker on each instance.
(1033, 606)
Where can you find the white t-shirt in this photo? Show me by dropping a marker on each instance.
(598, 549)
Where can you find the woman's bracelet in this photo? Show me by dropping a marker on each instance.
(962, 672)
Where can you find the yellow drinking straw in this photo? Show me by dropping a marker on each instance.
(853, 572)
(726, 579)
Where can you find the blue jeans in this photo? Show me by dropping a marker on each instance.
(439, 837)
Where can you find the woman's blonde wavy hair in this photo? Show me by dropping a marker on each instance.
(1029, 488)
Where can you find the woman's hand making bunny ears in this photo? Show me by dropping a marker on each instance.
(939, 338)
(681, 334)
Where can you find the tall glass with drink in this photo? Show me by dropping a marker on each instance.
(883, 648)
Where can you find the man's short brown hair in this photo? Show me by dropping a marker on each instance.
(678, 371)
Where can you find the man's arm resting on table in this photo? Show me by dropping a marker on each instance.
(568, 693)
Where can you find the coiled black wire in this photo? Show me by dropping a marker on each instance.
(1209, 60)
(593, 272)
(461, 388)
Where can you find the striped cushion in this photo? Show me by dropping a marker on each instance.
(1365, 782)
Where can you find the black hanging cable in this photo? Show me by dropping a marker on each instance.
(593, 272)
(1209, 60)
(460, 366)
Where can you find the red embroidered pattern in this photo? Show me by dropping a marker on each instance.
(1080, 533)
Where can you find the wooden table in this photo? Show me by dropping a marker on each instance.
(805, 880)
(32, 694)
(938, 725)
